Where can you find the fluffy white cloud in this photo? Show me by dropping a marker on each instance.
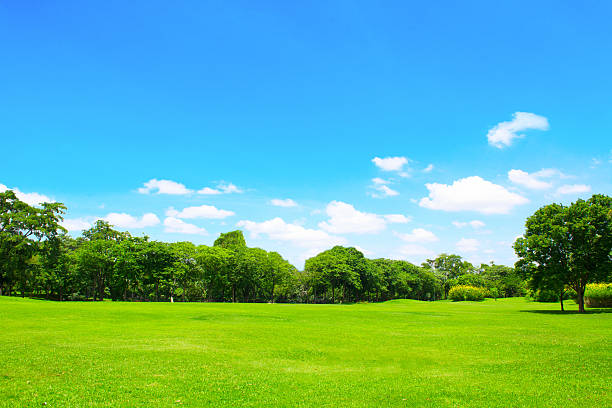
(344, 218)
(573, 189)
(504, 133)
(202, 211)
(467, 245)
(418, 235)
(397, 218)
(428, 169)
(123, 220)
(28, 198)
(164, 187)
(175, 225)
(471, 194)
(76, 224)
(522, 178)
(283, 203)
(222, 188)
(390, 163)
(474, 224)
(278, 229)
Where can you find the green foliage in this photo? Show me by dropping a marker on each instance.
(547, 295)
(233, 240)
(598, 295)
(465, 292)
(567, 246)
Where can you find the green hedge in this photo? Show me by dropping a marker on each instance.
(598, 295)
(465, 292)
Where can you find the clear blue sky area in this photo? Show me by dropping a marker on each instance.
(403, 128)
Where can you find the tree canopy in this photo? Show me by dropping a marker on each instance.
(567, 246)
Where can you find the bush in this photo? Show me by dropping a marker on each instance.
(598, 295)
(546, 295)
(465, 292)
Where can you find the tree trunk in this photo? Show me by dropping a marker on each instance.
(333, 295)
(561, 299)
(233, 293)
(580, 300)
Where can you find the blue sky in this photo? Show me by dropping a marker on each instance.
(479, 113)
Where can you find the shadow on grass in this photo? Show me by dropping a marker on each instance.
(568, 312)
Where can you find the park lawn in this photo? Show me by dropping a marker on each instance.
(504, 353)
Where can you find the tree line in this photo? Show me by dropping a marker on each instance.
(564, 247)
(39, 258)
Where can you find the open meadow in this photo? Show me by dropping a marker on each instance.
(508, 352)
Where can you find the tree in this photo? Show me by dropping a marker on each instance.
(567, 245)
(232, 240)
(22, 230)
(448, 267)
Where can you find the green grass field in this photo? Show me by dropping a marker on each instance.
(502, 353)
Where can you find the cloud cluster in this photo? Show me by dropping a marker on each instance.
(222, 188)
(287, 202)
(345, 219)
(382, 188)
(178, 226)
(174, 188)
(419, 235)
(127, 221)
(28, 198)
(202, 211)
(164, 187)
(476, 224)
(471, 194)
(503, 134)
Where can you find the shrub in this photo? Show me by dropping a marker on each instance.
(546, 295)
(465, 292)
(598, 295)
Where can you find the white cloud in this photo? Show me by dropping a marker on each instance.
(502, 134)
(573, 189)
(428, 169)
(467, 245)
(28, 198)
(378, 181)
(202, 211)
(471, 194)
(222, 188)
(344, 218)
(278, 229)
(418, 235)
(209, 191)
(390, 163)
(123, 220)
(174, 225)
(283, 203)
(474, 224)
(383, 191)
(522, 178)
(76, 224)
(397, 218)
(164, 187)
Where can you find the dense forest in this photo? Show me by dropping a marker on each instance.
(39, 259)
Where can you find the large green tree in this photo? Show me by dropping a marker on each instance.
(23, 229)
(568, 246)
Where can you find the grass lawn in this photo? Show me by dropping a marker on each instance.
(505, 353)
